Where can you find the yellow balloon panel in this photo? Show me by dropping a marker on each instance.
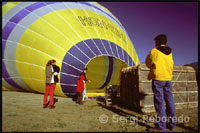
(7, 7)
(97, 69)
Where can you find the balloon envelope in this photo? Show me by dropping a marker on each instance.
(75, 34)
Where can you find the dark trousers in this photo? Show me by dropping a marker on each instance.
(163, 92)
(79, 97)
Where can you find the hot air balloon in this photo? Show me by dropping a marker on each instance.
(75, 34)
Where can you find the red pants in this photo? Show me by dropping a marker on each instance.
(49, 88)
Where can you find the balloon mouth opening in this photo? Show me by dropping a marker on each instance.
(103, 71)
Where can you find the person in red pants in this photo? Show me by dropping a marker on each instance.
(51, 79)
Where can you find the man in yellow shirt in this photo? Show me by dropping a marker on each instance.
(160, 62)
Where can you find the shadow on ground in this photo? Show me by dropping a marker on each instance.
(118, 109)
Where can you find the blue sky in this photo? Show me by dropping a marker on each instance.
(145, 20)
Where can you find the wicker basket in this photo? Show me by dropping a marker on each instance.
(136, 89)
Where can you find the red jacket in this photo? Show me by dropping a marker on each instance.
(80, 84)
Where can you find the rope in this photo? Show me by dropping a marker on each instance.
(188, 100)
(174, 84)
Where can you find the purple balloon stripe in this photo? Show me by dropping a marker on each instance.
(3, 48)
(19, 16)
(24, 12)
(51, 2)
(4, 3)
(7, 30)
(4, 71)
(5, 75)
(35, 6)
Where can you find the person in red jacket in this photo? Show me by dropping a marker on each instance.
(80, 89)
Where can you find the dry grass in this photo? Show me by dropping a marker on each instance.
(22, 111)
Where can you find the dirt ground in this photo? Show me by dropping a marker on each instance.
(23, 111)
